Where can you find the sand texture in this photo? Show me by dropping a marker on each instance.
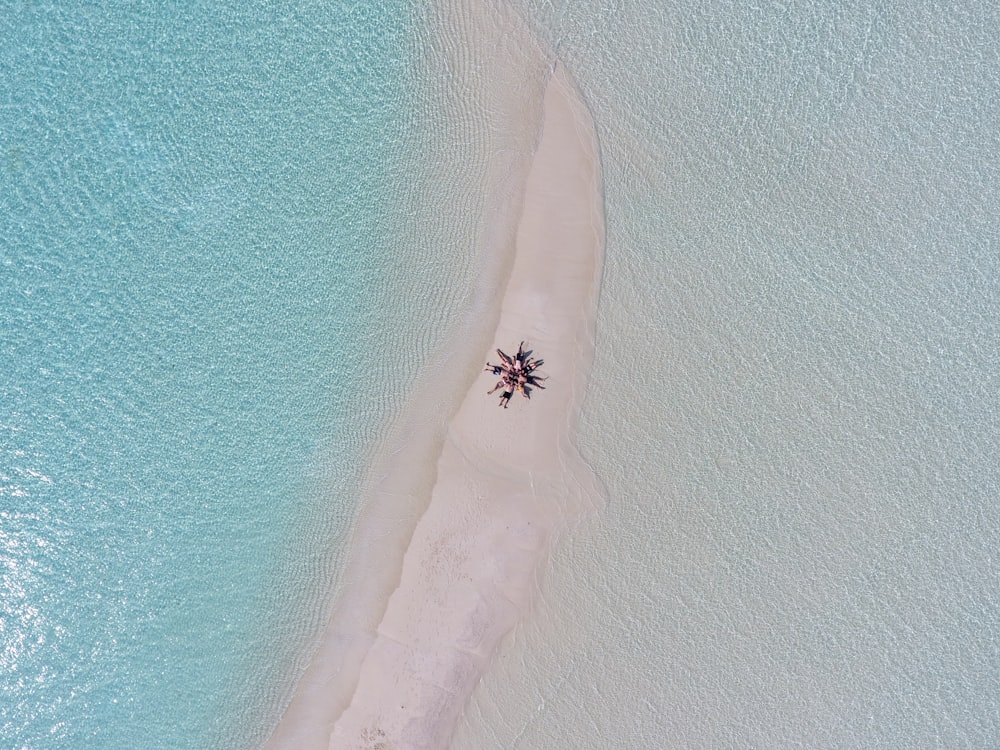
(398, 676)
(469, 573)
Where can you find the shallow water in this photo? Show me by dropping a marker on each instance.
(793, 400)
(195, 243)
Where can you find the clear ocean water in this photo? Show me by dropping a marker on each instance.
(229, 236)
(195, 211)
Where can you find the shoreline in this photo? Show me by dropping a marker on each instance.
(506, 479)
(404, 651)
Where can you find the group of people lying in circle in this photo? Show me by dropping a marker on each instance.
(516, 374)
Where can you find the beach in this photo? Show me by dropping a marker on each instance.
(506, 479)
(253, 492)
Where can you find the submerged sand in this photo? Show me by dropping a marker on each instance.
(398, 674)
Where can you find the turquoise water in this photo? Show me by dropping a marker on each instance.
(193, 207)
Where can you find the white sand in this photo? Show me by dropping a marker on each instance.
(398, 676)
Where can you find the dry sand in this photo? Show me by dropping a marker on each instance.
(506, 481)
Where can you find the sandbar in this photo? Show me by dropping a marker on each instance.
(505, 482)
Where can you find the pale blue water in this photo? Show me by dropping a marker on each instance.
(192, 205)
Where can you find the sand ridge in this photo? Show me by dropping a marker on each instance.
(506, 478)
(447, 552)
